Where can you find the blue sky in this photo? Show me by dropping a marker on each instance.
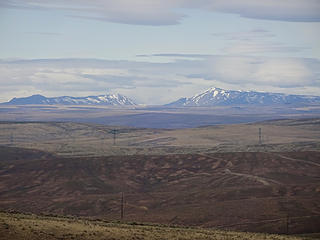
(157, 51)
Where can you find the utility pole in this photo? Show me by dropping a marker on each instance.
(114, 132)
(287, 224)
(260, 137)
(287, 215)
(122, 205)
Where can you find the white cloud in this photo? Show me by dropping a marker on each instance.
(140, 12)
(252, 35)
(285, 73)
(259, 48)
(164, 12)
(273, 72)
(231, 69)
(255, 42)
(284, 10)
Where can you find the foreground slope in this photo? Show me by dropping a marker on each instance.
(31, 227)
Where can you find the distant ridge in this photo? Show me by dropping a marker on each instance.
(220, 97)
(211, 97)
(108, 99)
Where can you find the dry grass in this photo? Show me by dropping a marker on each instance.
(31, 227)
(75, 139)
(242, 190)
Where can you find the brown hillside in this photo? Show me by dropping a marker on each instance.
(245, 191)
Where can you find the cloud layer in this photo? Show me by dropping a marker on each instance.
(158, 83)
(168, 12)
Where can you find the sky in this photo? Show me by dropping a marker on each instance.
(156, 51)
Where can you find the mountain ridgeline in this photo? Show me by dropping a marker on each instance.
(209, 98)
(108, 99)
(221, 97)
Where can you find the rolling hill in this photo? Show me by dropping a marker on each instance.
(214, 176)
(261, 192)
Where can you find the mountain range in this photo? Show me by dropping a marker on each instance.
(211, 97)
(108, 99)
(221, 97)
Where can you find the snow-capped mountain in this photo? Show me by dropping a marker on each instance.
(108, 99)
(220, 97)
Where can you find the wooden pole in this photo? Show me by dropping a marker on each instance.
(122, 205)
(287, 224)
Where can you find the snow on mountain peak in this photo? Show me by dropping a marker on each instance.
(107, 99)
(220, 97)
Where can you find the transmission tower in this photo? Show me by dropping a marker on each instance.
(114, 132)
(260, 137)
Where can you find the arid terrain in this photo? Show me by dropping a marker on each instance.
(160, 120)
(14, 226)
(213, 177)
(242, 191)
(80, 139)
